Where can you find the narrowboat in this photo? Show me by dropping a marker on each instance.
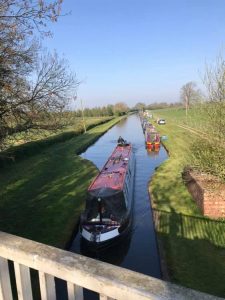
(152, 140)
(150, 128)
(108, 211)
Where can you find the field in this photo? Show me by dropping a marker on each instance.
(196, 117)
(41, 196)
(192, 247)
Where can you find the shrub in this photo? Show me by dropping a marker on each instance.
(209, 157)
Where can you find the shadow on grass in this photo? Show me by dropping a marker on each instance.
(41, 198)
(169, 191)
(194, 250)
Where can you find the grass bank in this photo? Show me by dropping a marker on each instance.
(192, 247)
(37, 140)
(41, 197)
(167, 187)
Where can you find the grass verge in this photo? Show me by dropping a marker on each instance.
(191, 251)
(41, 197)
(33, 147)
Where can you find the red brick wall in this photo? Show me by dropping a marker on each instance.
(214, 205)
(209, 194)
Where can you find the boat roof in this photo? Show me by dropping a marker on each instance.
(152, 133)
(113, 173)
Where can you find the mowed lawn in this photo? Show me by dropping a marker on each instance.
(42, 196)
(192, 247)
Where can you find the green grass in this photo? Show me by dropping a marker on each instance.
(35, 146)
(76, 125)
(41, 197)
(193, 263)
(167, 185)
(196, 117)
(193, 247)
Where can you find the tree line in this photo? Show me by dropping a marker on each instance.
(117, 109)
(155, 105)
(122, 108)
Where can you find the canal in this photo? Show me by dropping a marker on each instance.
(139, 251)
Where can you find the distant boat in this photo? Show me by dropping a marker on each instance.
(108, 211)
(152, 140)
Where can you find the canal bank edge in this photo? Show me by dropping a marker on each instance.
(162, 255)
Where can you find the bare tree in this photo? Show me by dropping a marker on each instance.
(120, 108)
(33, 90)
(19, 19)
(209, 153)
(38, 104)
(140, 106)
(189, 94)
(28, 15)
(214, 81)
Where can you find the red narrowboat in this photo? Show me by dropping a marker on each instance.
(152, 139)
(108, 211)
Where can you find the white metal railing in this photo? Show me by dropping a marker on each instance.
(111, 282)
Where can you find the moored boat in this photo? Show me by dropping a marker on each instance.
(152, 137)
(108, 211)
(150, 128)
(152, 140)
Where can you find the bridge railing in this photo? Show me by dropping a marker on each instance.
(110, 282)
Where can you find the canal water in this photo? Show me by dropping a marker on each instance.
(138, 251)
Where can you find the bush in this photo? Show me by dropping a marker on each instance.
(209, 157)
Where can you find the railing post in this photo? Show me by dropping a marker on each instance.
(5, 285)
(23, 282)
(75, 292)
(47, 286)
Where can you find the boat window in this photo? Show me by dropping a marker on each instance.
(113, 204)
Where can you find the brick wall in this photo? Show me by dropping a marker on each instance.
(208, 192)
(214, 204)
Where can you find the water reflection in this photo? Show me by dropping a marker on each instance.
(154, 152)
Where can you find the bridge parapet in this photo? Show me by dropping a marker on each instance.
(109, 281)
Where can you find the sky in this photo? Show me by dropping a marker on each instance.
(138, 50)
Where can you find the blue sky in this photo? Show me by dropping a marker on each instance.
(138, 50)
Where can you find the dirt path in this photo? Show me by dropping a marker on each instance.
(202, 135)
(195, 131)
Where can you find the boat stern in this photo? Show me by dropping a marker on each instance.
(99, 235)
